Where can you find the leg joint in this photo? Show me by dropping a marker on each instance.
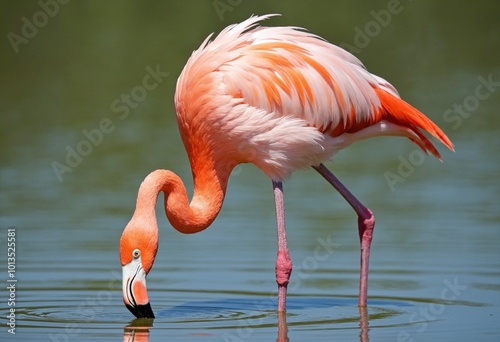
(283, 268)
(366, 226)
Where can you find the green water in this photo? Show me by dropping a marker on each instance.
(67, 192)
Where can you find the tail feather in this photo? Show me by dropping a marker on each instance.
(401, 113)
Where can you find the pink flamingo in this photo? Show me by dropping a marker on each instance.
(282, 99)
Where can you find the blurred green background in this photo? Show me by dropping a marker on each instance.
(65, 78)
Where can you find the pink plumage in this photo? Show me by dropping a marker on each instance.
(278, 97)
(287, 99)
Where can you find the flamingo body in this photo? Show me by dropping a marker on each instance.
(282, 99)
(285, 99)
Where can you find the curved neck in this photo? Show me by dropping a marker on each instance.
(187, 218)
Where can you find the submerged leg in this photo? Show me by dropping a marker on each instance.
(282, 328)
(283, 262)
(366, 223)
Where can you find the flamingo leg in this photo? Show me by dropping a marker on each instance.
(366, 223)
(283, 262)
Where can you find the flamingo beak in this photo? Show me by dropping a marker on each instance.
(135, 294)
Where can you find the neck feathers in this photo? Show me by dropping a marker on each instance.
(188, 218)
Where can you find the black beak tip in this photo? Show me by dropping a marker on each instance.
(141, 311)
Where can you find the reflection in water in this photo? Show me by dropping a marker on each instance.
(282, 328)
(363, 324)
(138, 330)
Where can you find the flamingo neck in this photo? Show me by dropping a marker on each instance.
(187, 218)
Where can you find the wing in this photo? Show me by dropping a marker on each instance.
(289, 72)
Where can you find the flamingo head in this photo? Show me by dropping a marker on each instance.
(138, 246)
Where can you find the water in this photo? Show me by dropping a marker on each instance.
(434, 272)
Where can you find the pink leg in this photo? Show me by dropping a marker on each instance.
(366, 223)
(283, 262)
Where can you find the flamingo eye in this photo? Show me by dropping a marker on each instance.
(136, 253)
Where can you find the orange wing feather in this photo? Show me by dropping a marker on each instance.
(402, 113)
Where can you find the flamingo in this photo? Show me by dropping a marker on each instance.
(278, 97)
